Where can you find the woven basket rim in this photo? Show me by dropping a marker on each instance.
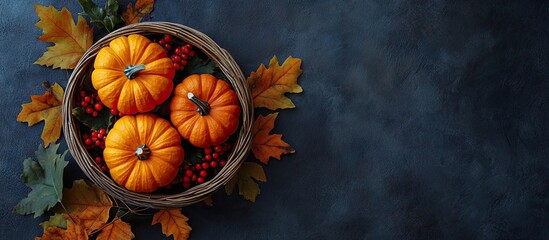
(152, 200)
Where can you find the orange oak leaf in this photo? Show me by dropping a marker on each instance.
(135, 14)
(270, 84)
(87, 203)
(74, 231)
(71, 40)
(117, 230)
(45, 108)
(244, 178)
(173, 223)
(265, 145)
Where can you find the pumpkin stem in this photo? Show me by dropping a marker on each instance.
(142, 152)
(131, 71)
(203, 106)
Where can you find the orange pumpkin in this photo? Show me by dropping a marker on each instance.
(143, 152)
(204, 110)
(133, 74)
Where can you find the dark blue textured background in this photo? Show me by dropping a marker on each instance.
(418, 120)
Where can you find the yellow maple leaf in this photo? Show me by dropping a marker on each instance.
(173, 223)
(265, 145)
(117, 230)
(71, 40)
(135, 14)
(74, 231)
(87, 203)
(270, 84)
(244, 178)
(45, 108)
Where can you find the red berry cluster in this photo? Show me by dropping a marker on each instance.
(95, 139)
(90, 102)
(101, 164)
(180, 54)
(193, 174)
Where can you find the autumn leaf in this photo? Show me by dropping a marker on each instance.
(270, 84)
(209, 201)
(47, 108)
(265, 145)
(57, 220)
(117, 230)
(88, 203)
(45, 178)
(135, 14)
(74, 231)
(173, 223)
(244, 178)
(71, 41)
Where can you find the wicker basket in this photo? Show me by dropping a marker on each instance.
(198, 193)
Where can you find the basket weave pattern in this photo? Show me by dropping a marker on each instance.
(71, 126)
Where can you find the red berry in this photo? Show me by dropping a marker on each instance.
(184, 56)
(176, 58)
(94, 134)
(120, 114)
(207, 150)
(178, 51)
(87, 99)
(191, 54)
(95, 113)
(176, 66)
(100, 136)
(194, 177)
(114, 111)
(97, 143)
(89, 110)
(188, 45)
(82, 93)
(98, 106)
(189, 173)
(162, 42)
(98, 160)
(197, 166)
(215, 155)
(218, 149)
(203, 173)
(83, 104)
(168, 46)
(104, 168)
(186, 179)
(213, 164)
(102, 145)
(88, 141)
(208, 157)
(222, 163)
(185, 50)
(102, 131)
(205, 165)
(187, 185)
(168, 38)
(200, 180)
(183, 63)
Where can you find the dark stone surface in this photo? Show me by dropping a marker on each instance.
(418, 120)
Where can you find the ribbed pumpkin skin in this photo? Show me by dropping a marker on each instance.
(214, 128)
(128, 133)
(150, 88)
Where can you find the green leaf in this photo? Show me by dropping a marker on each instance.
(45, 179)
(56, 220)
(103, 119)
(246, 178)
(198, 65)
(107, 17)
